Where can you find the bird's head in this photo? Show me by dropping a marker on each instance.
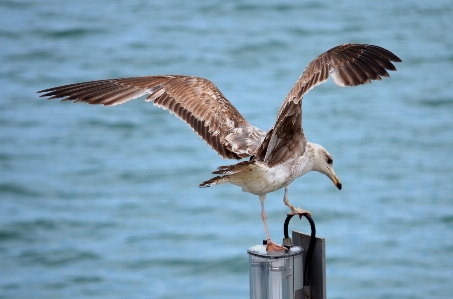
(323, 163)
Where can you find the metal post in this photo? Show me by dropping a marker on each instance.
(275, 274)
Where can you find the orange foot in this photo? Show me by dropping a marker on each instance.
(271, 246)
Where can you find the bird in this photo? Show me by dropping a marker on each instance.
(276, 157)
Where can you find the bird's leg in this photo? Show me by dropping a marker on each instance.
(264, 216)
(294, 210)
(270, 246)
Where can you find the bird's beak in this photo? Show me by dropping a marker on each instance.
(336, 181)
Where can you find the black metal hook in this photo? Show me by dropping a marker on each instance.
(311, 246)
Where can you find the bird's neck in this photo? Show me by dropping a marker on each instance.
(304, 163)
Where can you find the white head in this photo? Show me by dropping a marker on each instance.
(323, 163)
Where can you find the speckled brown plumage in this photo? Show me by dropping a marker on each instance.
(200, 104)
(348, 65)
(279, 156)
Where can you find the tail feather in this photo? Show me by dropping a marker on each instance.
(227, 173)
(214, 181)
(232, 169)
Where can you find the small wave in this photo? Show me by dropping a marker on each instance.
(109, 124)
(437, 102)
(57, 257)
(71, 33)
(14, 189)
(234, 265)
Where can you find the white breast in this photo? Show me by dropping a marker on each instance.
(259, 179)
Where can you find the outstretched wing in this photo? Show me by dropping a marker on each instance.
(348, 65)
(196, 101)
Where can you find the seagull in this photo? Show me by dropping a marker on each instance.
(278, 156)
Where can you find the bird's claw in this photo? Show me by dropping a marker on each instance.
(299, 211)
(271, 246)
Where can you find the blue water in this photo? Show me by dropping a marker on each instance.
(102, 202)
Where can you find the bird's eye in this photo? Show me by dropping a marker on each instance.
(329, 160)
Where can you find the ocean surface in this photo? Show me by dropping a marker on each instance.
(100, 202)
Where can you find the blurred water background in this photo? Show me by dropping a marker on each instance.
(102, 202)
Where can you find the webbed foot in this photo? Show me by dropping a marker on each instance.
(271, 246)
(298, 211)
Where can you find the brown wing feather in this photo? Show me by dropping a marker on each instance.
(197, 101)
(348, 65)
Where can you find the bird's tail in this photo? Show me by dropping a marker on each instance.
(215, 181)
(225, 173)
